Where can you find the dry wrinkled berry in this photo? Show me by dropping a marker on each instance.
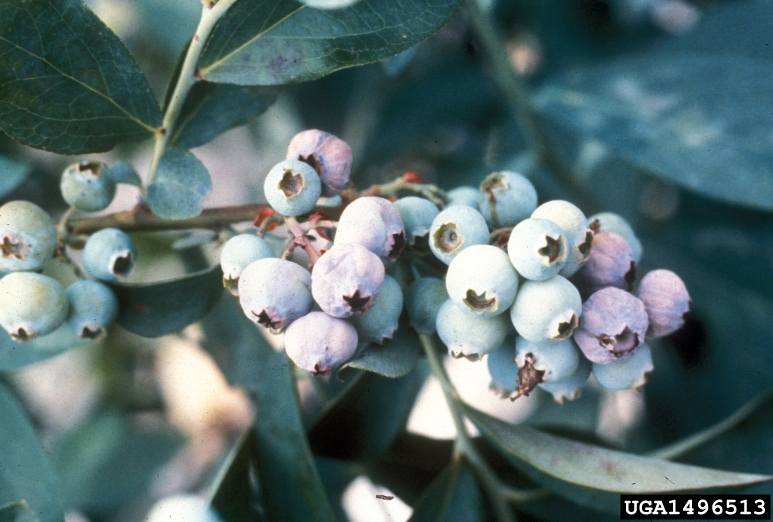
(611, 263)
(666, 300)
(374, 223)
(329, 156)
(319, 343)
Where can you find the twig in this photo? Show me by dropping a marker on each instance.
(300, 240)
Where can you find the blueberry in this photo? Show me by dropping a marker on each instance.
(482, 281)
(508, 198)
(27, 237)
(611, 222)
(182, 507)
(238, 252)
(574, 224)
(611, 263)
(543, 361)
(464, 196)
(537, 248)
(109, 254)
(319, 343)
(417, 214)
(548, 309)
(374, 223)
(274, 292)
(346, 280)
(379, 322)
(455, 229)
(31, 305)
(627, 374)
(93, 307)
(328, 155)
(666, 300)
(292, 188)
(423, 300)
(612, 326)
(86, 186)
(569, 388)
(502, 368)
(469, 336)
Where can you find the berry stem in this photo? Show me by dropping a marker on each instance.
(299, 240)
(393, 189)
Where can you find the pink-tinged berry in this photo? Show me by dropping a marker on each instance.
(611, 263)
(319, 343)
(666, 300)
(374, 223)
(329, 156)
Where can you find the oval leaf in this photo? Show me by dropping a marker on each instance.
(18, 512)
(12, 173)
(454, 495)
(67, 83)
(182, 182)
(15, 355)
(282, 41)
(156, 309)
(25, 470)
(123, 172)
(594, 476)
(397, 357)
(694, 121)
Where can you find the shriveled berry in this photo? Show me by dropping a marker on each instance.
(569, 388)
(27, 236)
(93, 307)
(509, 197)
(31, 305)
(537, 248)
(374, 223)
(543, 361)
(109, 254)
(666, 300)
(329, 156)
(379, 322)
(423, 300)
(274, 292)
(611, 222)
(612, 326)
(319, 343)
(347, 280)
(610, 264)
(417, 214)
(574, 224)
(238, 252)
(292, 188)
(502, 368)
(628, 374)
(464, 196)
(455, 229)
(482, 281)
(469, 336)
(546, 310)
(86, 186)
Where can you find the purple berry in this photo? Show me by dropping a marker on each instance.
(328, 155)
(611, 222)
(346, 280)
(666, 300)
(610, 263)
(374, 223)
(612, 326)
(319, 343)
(274, 292)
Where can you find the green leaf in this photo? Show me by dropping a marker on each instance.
(231, 493)
(67, 83)
(25, 470)
(594, 476)
(211, 109)
(273, 42)
(12, 173)
(155, 309)
(123, 172)
(18, 512)
(182, 183)
(291, 487)
(397, 357)
(454, 495)
(691, 120)
(15, 355)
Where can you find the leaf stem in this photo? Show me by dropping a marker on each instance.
(210, 15)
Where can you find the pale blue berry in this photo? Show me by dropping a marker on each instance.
(374, 223)
(502, 368)
(329, 156)
(569, 388)
(274, 292)
(455, 229)
(543, 361)
(27, 237)
(238, 252)
(319, 343)
(86, 186)
(417, 214)
(292, 188)
(464, 196)
(537, 248)
(93, 307)
(482, 281)
(469, 336)
(548, 309)
(577, 232)
(347, 279)
(109, 254)
(508, 198)
(31, 305)
(666, 300)
(610, 264)
(379, 322)
(627, 374)
(611, 222)
(423, 300)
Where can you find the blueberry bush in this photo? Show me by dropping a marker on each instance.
(242, 235)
